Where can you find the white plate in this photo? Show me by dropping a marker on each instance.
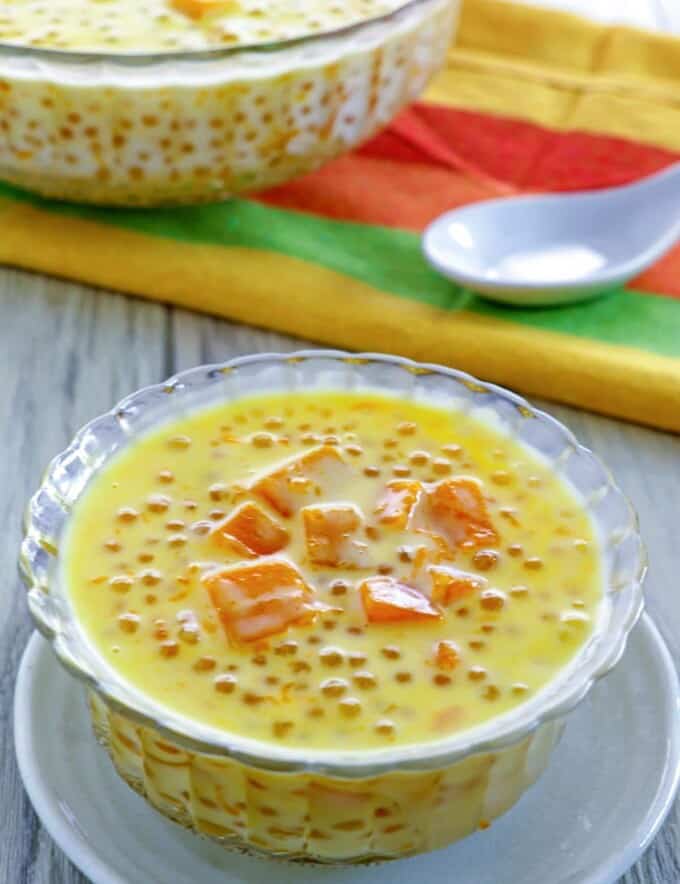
(607, 790)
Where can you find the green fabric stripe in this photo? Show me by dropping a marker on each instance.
(387, 259)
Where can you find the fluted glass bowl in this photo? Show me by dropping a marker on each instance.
(322, 805)
(197, 126)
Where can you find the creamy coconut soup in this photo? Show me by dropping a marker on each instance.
(333, 569)
(170, 25)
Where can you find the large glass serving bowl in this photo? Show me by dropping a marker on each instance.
(152, 129)
(322, 805)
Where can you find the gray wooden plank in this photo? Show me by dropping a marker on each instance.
(67, 354)
(71, 352)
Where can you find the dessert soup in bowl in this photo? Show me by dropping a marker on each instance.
(331, 607)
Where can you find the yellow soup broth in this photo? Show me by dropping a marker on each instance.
(333, 569)
(112, 26)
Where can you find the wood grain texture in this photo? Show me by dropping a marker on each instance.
(69, 352)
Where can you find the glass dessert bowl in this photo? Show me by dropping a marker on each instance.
(156, 125)
(376, 793)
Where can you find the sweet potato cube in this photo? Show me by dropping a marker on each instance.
(251, 526)
(387, 600)
(258, 599)
(450, 585)
(397, 502)
(331, 535)
(302, 480)
(199, 8)
(457, 510)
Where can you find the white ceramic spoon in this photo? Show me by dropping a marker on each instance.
(538, 250)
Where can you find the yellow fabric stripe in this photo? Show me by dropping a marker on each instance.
(564, 72)
(292, 296)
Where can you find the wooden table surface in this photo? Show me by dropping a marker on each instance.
(70, 352)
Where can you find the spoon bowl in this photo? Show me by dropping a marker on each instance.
(560, 248)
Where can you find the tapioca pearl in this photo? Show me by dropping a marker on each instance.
(150, 577)
(407, 428)
(166, 477)
(491, 692)
(462, 612)
(129, 623)
(177, 540)
(452, 450)
(169, 648)
(488, 628)
(419, 458)
(403, 677)
(440, 466)
(385, 727)
(121, 583)
(486, 559)
(387, 458)
(112, 545)
(298, 666)
(515, 550)
(492, 600)
(354, 450)
(384, 568)
(272, 680)
(225, 683)
(581, 545)
(350, 707)
(314, 639)
(259, 660)
(160, 629)
(179, 443)
(281, 729)
(502, 477)
(205, 664)
(364, 679)
(372, 472)
(150, 598)
(331, 656)
(286, 648)
(201, 528)
(333, 687)
(476, 673)
(127, 514)
(310, 439)
(175, 525)
(476, 644)
(578, 603)
(339, 587)
(533, 563)
(534, 481)
(216, 515)
(263, 440)
(390, 443)
(316, 712)
(519, 689)
(401, 470)
(189, 633)
(391, 652)
(218, 491)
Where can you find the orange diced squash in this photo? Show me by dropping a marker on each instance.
(456, 509)
(387, 600)
(199, 8)
(302, 480)
(397, 502)
(258, 599)
(251, 526)
(450, 585)
(331, 536)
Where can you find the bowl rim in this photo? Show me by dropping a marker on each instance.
(498, 733)
(143, 59)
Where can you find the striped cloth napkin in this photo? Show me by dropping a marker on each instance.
(530, 100)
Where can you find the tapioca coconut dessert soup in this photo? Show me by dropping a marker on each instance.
(166, 101)
(326, 570)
